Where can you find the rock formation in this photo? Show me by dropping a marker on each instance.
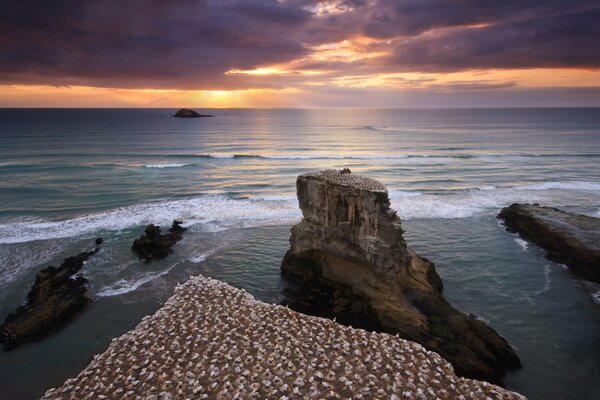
(570, 239)
(185, 113)
(55, 297)
(153, 245)
(350, 243)
(213, 341)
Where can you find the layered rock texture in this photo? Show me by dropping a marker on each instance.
(350, 244)
(57, 295)
(570, 239)
(213, 341)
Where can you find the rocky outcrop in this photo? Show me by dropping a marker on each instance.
(55, 298)
(153, 245)
(350, 244)
(213, 341)
(185, 113)
(570, 239)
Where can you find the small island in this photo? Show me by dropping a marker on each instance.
(186, 113)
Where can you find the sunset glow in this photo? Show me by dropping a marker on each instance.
(304, 54)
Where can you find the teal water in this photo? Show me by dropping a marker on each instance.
(68, 176)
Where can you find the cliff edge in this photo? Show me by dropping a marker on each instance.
(350, 243)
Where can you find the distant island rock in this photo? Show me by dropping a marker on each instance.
(57, 295)
(185, 113)
(570, 239)
(350, 246)
(153, 245)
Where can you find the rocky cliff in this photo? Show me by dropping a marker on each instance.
(350, 244)
(570, 239)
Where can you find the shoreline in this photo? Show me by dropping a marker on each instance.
(211, 340)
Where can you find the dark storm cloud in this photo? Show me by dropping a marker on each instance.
(191, 44)
(569, 40)
(144, 43)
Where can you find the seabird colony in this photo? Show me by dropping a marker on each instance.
(213, 341)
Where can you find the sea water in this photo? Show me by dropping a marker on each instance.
(68, 176)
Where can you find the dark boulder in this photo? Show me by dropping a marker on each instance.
(54, 299)
(185, 113)
(570, 239)
(153, 245)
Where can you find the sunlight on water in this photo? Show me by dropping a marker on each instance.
(78, 174)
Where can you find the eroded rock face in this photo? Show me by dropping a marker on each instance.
(570, 239)
(57, 295)
(350, 243)
(153, 245)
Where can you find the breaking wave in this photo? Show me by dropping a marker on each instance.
(216, 212)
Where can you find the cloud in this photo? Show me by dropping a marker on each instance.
(193, 44)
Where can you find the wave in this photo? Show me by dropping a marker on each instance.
(123, 286)
(165, 165)
(547, 280)
(522, 243)
(216, 210)
(571, 185)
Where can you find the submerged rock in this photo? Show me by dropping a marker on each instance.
(55, 297)
(185, 113)
(570, 239)
(351, 261)
(153, 245)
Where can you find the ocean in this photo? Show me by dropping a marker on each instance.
(68, 176)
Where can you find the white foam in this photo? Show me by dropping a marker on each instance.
(277, 198)
(331, 157)
(219, 210)
(596, 297)
(202, 257)
(524, 245)
(571, 185)
(403, 193)
(487, 187)
(123, 286)
(547, 279)
(165, 165)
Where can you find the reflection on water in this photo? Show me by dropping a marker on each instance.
(69, 176)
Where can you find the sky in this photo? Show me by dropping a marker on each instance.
(299, 53)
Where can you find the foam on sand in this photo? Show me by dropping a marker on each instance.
(211, 340)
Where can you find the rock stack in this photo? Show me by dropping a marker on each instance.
(350, 242)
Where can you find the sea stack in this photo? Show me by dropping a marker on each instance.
(350, 242)
(570, 239)
(186, 113)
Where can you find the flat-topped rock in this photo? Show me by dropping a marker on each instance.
(350, 259)
(348, 179)
(211, 340)
(570, 239)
